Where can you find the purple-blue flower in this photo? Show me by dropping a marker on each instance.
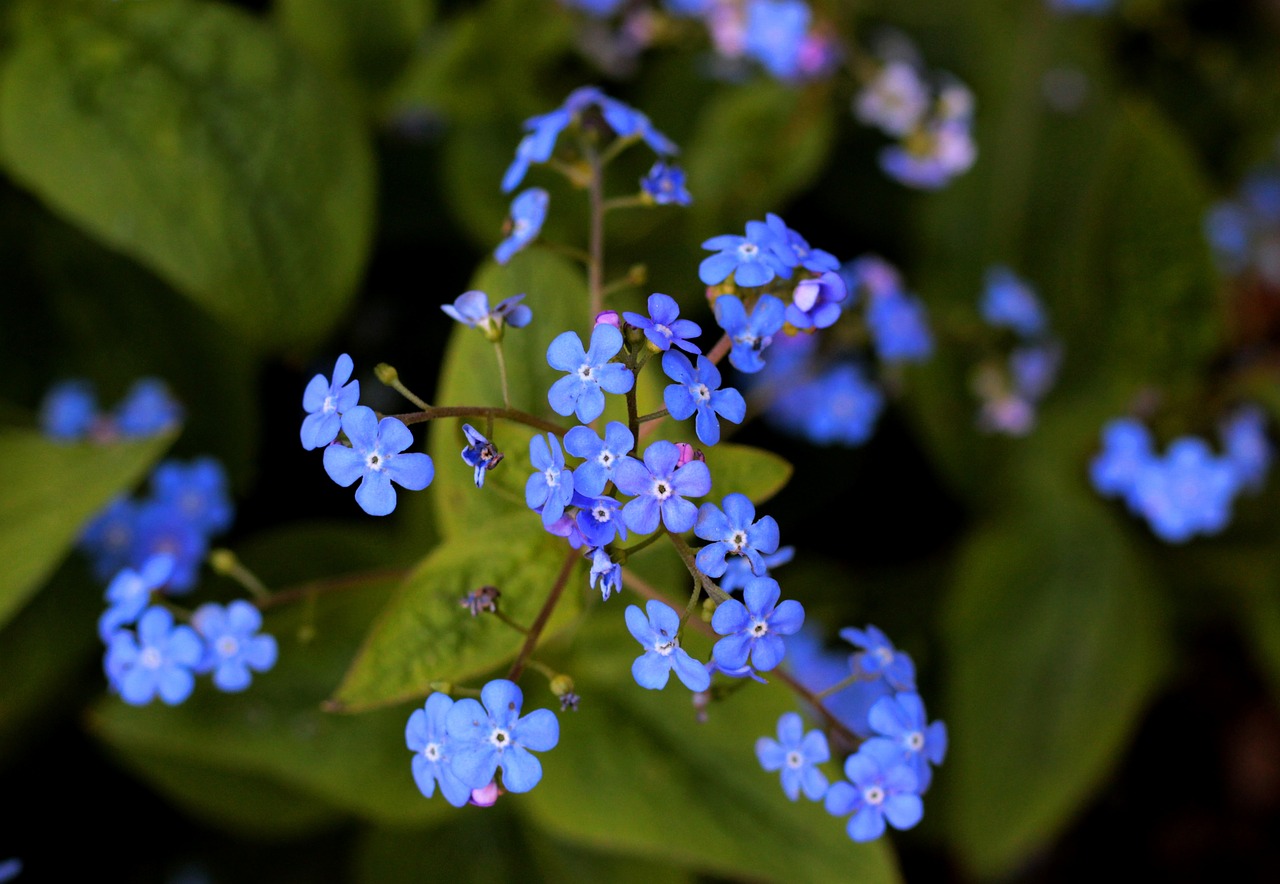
(472, 308)
(232, 645)
(528, 212)
(601, 455)
(326, 401)
(663, 327)
(161, 527)
(660, 488)
(797, 755)
(1187, 492)
(551, 487)
(606, 571)
(1127, 447)
(376, 457)
(68, 411)
(157, 661)
(697, 392)
(901, 721)
(816, 302)
(798, 248)
(601, 521)
(198, 490)
(750, 333)
(426, 735)
(1008, 302)
(934, 154)
(148, 408)
(895, 100)
(129, 593)
(899, 327)
(1244, 436)
(882, 787)
(734, 531)
(590, 373)
(755, 628)
(665, 185)
(752, 260)
(480, 454)
(775, 32)
(657, 634)
(486, 738)
(879, 657)
(738, 568)
(108, 539)
(839, 407)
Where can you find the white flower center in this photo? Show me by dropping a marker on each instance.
(701, 393)
(915, 741)
(662, 329)
(375, 461)
(794, 759)
(748, 250)
(584, 372)
(552, 476)
(329, 405)
(601, 514)
(759, 628)
(500, 739)
(432, 752)
(662, 489)
(605, 459)
(228, 646)
(150, 658)
(666, 648)
(884, 655)
(873, 795)
(739, 540)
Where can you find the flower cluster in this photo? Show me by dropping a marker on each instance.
(1011, 392)
(374, 452)
(1244, 231)
(933, 123)
(69, 412)
(1188, 490)
(461, 745)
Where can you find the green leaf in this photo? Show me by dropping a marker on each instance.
(368, 41)
(755, 472)
(425, 636)
(1057, 642)
(50, 491)
(190, 137)
(276, 732)
(556, 292)
(753, 148)
(692, 793)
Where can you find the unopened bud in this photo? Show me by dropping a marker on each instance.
(709, 606)
(486, 796)
(386, 373)
(561, 685)
(609, 317)
(638, 274)
(687, 453)
(223, 561)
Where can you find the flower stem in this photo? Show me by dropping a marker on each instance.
(502, 374)
(225, 562)
(312, 588)
(389, 376)
(706, 582)
(653, 416)
(621, 555)
(511, 414)
(839, 686)
(540, 622)
(625, 202)
(507, 620)
(595, 249)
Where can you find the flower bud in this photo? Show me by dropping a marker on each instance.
(687, 453)
(486, 796)
(608, 317)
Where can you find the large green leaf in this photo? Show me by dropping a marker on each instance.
(50, 491)
(556, 292)
(690, 792)
(276, 732)
(193, 139)
(755, 472)
(426, 636)
(1056, 642)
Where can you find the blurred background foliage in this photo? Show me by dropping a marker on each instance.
(227, 195)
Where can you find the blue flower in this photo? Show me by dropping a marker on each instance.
(879, 658)
(232, 646)
(1008, 302)
(325, 402)
(797, 755)
(754, 259)
(900, 328)
(493, 736)
(198, 490)
(798, 250)
(756, 628)
(129, 593)
(657, 634)
(665, 185)
(775, 32)
(528, 211)
(551, 488)
(599, 522)
(108, 539)
(426, 735)
(933, 155)
(819, 669)
(591, 374)
(68, 411)
(734, 531)
(815, 303)
(840, 407)
(750, 334)
(376, 458)
(159, 660)
(1127, 447)
(901, 720)
(1244, 435)
(161, 527)
(480, 453)
(660, 488)
(698, 392)
(896, 100)
(1189, 491)
(738, 568)
(601, 455)
(1034, 369)
(663, 326)
(472, 308)
(147, 409)
(883, 788)
(605, 570)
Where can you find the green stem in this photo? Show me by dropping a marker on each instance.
(511, 414)
(507, 620)
(707, 583)
(621, 555)
(389, 376)
(653, 416)
(502, 373)
(313, 588)
(540, 622)
(626, 202)
(839, 686)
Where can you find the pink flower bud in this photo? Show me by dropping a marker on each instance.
(687, 453)
(486, 796)
(608, 317)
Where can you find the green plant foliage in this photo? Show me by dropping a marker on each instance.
(190, 137)
(757, 473)
(50, 492)
(426, 637)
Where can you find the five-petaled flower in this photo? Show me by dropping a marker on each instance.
(697, 392)
(376, 458)
(326, 401)
(797, 755)
(657, 634)
(590, 373)
(734, 531)
(486, 738)
(756, 628)
(660, 489)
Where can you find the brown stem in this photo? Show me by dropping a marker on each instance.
(313, 588)
(544, 615)
(511, 414)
